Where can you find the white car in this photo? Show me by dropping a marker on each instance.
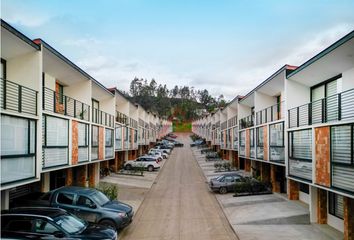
(158, 152)
(150, 163)
(165, 150)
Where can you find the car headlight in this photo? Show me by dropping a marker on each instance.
(121, 214)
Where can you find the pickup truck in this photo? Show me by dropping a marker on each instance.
(86, 203)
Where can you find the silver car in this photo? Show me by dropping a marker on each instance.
(225, 183)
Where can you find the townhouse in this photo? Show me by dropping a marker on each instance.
(296, 131)
(60, 126)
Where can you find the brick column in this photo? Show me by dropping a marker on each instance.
(75, 143)
(81, 175)
(69, 177)
(321, 206)
(273, 179)
(265, 172)
(247, 143)
(247, 165)
(322, 151)
(293, 190)
(93, 174)
(348, 218)
(265, 143)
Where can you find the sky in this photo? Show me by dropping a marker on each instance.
(225, 46)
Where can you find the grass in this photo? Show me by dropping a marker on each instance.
(182, 127)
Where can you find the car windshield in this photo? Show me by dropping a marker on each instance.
(220, 178)
(99, 198)
(70, 223)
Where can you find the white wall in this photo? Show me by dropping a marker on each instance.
(262, 101)
(108, 105)
(348, 79)
(25, 70)
(296, 93)
(79, 91)
(49, 81)
(335, 222)
(243, 111)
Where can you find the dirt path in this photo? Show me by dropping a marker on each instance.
(179, 205)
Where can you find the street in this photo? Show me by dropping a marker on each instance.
(179, 204)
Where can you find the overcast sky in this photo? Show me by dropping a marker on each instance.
(225, 46)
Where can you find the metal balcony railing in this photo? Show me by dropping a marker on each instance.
(17, 98)
(103, 118)
(270, 114)
(121, 118)
(246, 122)
(332, 108)
(59, 103)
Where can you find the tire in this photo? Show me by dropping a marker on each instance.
(150, 168)
(128, 167)
(222, 190)
(108, 223)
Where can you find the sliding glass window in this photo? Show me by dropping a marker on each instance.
(276, 146)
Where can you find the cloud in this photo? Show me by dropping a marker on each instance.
(22, 14)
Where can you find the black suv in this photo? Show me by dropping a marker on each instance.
(49, 223)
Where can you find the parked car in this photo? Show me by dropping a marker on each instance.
(164, 148)
(148, 162)
(87, 203)
(225, 183)
(158, 152)
(49, 223)
(172, 135)
(178, 144)
(197, 143)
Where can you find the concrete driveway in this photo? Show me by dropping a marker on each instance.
(179, 204)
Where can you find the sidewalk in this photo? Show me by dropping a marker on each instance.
(267, 216)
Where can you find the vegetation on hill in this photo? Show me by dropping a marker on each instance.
(181, 104)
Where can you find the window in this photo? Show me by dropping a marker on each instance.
(301, 144)
(85, 202)
(235, 130)
(300, 154)
(276, 132)
(252, 137)
(95, 136)
(135, 136)
(65, 198)
(109, 138)
(229, 179)
(342, 157)
(44, 227)
(118, 137)
(56, 132)
(242, 138)
(260, 139)
(18, 152)
(335, 205)
(326, 89)
(83, 134)
(18, 225)
(3, 69)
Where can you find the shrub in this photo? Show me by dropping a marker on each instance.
(217, 165)
(226, 165)
(109, 189)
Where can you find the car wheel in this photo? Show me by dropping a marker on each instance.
(108, 223)
(128, 167)
(222, 190)
(150, 168)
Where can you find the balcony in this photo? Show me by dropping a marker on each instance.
(103, 118)
(247, 122)
(18, 98)
(121, 118)
(333, 108)
(61, 104)
(270, 114)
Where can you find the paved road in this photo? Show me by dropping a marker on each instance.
(179, 206)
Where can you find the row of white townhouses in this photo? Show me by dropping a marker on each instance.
(296, 130)
(59, 125)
